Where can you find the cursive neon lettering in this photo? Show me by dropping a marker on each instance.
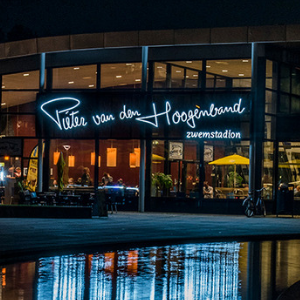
(102, 119)
(128, 114)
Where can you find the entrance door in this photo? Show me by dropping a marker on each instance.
(185, 176)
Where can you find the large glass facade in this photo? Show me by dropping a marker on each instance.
(179, 166)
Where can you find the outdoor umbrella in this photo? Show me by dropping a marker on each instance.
(231, 160)
(60, 172)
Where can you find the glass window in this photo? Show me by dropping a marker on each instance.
(241, 82)
(29, 145)
(175, 163)
(76, 77)
(227, 181)
(177, 75)
(122, 75)
(295, 104)
(18, 101)
(271, 99)
(237, 73)
(289, 163)
(183, 74)
(271, 82)
(284, 104)
(78, 170)
(270, 127)
(192, 79)
(160, 75)
(21, 81)
(121, 160)
(268, 169)
(296, 81)
(17, 125)
(220, 82)
(285, 78)
(210, 80)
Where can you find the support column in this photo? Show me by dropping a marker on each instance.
(40, 141)
(141, 207)
(257, 120)
(142, 177)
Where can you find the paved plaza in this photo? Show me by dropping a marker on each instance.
(21, 237)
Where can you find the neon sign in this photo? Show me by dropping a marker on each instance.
(65, 113)
(226, 134)
(65, 118)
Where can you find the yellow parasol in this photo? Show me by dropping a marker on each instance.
(157, 157)
(231, 160)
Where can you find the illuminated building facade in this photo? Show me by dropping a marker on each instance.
(142, 104)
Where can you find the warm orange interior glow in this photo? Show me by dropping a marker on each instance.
(111, 157)
(55, 157)
(137, 151)
(132, 160)
(71, 161)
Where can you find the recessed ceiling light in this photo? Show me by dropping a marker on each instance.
(128, 64)
(208, 66)
(224, 71)
(71, 82)
(26, 74)
(137, 80)
(241, 75)
(178, 71)
(245, 60)
(221, 62)
(3, 86)
(91, 85)
(159, 67)
(76, 68)
(119, 76)
(188, 62)
(195, 75)
(187, 76)
(3, 104)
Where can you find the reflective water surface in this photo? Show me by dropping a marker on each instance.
(231, 270)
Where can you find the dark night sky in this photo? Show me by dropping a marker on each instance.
(58, 17)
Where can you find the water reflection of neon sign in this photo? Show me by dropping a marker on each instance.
(65, 113)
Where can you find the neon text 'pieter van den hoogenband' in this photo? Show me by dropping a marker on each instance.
(65, 113)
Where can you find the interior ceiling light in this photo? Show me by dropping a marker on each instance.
(159, 67)
(71, 82)
(76, 68)
(221, 63)
(26, 74)
(245, 60)
(137, 80)
(128, 64)
(208, 66)
(224, 71)
(119, 76)
(3, 86)
(241, 75)
(178, 71)
(3, 104)
(188, 62)
(113, 68)
(195, 75)
(91, 85)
